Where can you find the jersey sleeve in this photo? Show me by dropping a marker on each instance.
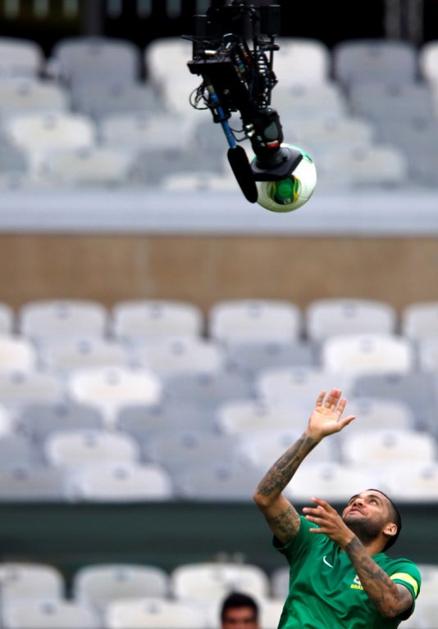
(300, 544)
(406, 573)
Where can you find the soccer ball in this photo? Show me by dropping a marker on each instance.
(292, 192)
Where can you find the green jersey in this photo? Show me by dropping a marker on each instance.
(325, 591)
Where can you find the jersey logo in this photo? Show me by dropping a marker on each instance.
(356, 585)
(326, 562)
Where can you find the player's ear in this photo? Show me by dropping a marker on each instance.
(390, 529)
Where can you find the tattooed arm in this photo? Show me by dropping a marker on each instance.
(325, 420)
(391, 599)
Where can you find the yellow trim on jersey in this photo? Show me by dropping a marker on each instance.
(403, 576)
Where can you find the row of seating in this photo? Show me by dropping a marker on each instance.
(350, 139)
(227, 321)
(146, 597)
(79, 60)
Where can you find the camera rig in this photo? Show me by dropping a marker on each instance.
(233, 52)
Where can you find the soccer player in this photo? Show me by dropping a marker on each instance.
(340, 576)
(239, 611)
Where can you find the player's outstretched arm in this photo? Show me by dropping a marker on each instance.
(325, 420)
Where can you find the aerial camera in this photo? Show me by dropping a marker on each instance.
(233, 51)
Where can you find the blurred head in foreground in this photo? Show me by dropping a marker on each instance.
(239, 611)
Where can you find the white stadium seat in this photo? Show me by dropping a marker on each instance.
(19, 58)
(29, 581)
(154, 613)
(64, 355)
(388, 446)
(207, 581)
(302, 61)
(46, 613)
(16, 354)
(420, 320)
(251, 319)
(99, 585)
(21, 96)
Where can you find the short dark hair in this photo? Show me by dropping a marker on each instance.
(236, 600)
(396, 517)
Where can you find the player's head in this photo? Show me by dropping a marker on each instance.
(239, 611)
(372, 514)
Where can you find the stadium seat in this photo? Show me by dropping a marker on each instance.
(112, 99)
(19, 96)
(37, 421)
(385, 101)
(14, 164)
(88, 60)
(149, 319)
(298, 385)
(204, 582)
(64, 355)
(420, 320)
(110, 388)
(185, 449)
(164, 58)
(143, 422)
(428, 61)
(30, 483)
(416, 389)
(416, 483)
(280, 582)
(369, 413)
(329, 317)
(222, 481)
(20, 388)
(302, 61)
(99, 585)
(252, 357)
(242, 320)
(19, 58)
(7, 322)
(78, 448)
(303, 102)
(377, 165)
(45, 613)
(334, 481)
(44, 320)
(24, 580)
(388, 446)
(146, 131)
(263, 447)
(38, 133)
(207, 390)
(16, 450)
(16, 354)
(121, 482)
(154, 613)
(428, 354)
(245, 417)
(92, 166)
(358, 354)
(171, 356)
(357, 61)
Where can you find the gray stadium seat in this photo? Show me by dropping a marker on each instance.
(99, 100)
(253, 357)
(13, 160)
(18, 96)
(19, 388)
(37, 421)
(387, 101)
(16, 450)
(207, 390)
(218, 481)
(356, 61)
(95, 59)
(415, 389)
(27, 483)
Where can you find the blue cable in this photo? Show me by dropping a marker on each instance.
(223, 120)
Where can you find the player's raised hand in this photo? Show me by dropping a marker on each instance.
(326, 417)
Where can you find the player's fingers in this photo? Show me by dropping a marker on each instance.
(345, 421)
(341, 406)
(323, 504)
(320, 398)
(332, 398)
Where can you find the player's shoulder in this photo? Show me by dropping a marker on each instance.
(401, 564)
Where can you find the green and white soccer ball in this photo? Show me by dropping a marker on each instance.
(292, 192)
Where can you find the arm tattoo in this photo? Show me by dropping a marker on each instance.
(389, 598)
(284, 524)
(276, 479)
